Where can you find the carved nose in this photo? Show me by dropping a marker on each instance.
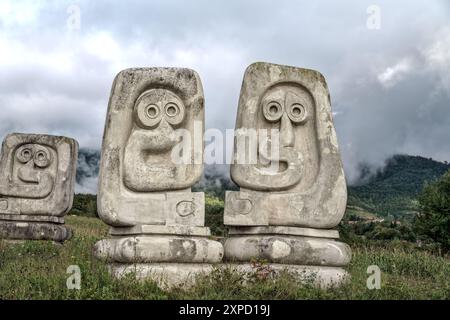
(162, 138)
(286, 132)
(28, 174)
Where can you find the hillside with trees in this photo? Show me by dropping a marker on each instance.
(393, 189)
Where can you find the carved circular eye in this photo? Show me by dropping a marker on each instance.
(273, 111)
(172, 109)
(24, 154)
(297, 113)
(42, 158)
(148, 115)
(174, 113)
(152, 111)
(154, 104)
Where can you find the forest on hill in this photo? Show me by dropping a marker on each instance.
(392, 190)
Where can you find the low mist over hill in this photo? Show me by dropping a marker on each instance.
(87, 171)
(387, 191)
(392, 189)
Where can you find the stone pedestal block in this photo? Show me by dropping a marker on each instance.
(159, 248)
(172, 275)
(288, 250)
(23, 230)
(166, 275)
(318, 276)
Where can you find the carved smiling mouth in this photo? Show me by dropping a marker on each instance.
(148, 165)
(274, 174)
(167, 170)
(158, 143)
(277, 163)
(273, 167)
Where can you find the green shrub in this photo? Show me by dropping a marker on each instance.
(84, 205)
(214, 215)
(433, 221)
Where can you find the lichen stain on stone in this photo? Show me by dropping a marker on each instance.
(280, 249)
(182, 249)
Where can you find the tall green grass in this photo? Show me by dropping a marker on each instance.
(37, 270)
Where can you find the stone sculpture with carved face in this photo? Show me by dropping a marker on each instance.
(138, 175)
(33, 172)
(145, 177)
(308, 186)
(147, 163)
(294, 192)
(289, 109)
(37, 177)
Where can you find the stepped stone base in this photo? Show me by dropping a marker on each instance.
(34, 230)
(171, 258)
(159, 249)
(318, 276)
(311, 255)
(169, 255)
(159, 244)
(285, 247)
(166, 275)
(172, 275)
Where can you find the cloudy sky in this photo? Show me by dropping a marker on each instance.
(387, 64)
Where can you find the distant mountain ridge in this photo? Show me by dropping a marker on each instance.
(390, 191)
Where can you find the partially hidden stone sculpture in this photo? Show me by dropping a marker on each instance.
(37, 176)
(157, 223)
(287, 217)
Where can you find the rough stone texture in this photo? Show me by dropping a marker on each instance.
(285, 215)
(159, 249)
(279, 230)
(37, 177)
(166, 275)
(322, 277)
(24, 217)
(288, 250)
(161, 230)
(144, 194)
(18, 230)
(182, 275)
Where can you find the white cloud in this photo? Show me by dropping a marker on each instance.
(386, 85)
(88, 185)
(438, 57)
(102, 45)
(393, 74)
(18, 13)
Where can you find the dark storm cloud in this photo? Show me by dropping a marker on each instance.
(390, 87)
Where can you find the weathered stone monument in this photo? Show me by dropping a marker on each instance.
(145, 195)
(37, 176)
(285, 213)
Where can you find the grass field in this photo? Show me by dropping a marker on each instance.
(37, 270)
